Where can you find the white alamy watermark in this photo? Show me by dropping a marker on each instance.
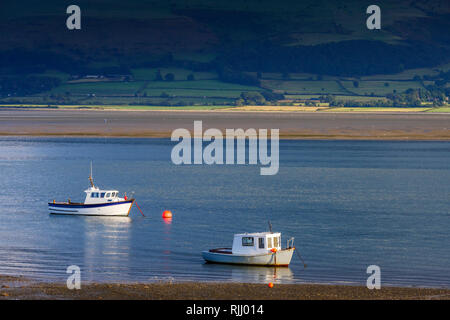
(213, 153)
(374, 280)
(373, 22)
(74, 280)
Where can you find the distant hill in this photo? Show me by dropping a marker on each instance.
(309, 36)
(250, 43)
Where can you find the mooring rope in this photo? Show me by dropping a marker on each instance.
(299, 255)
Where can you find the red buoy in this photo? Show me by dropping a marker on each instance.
(270, 285)
(274, 250)
(167, 214)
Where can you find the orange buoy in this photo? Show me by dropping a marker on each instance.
(274, 250)
(167, 214)
(270, 285)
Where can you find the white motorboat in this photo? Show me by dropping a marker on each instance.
(98, 202)
(260, 249)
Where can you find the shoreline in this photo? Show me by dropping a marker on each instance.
(292, 125)
(24, 289)
(282, 137)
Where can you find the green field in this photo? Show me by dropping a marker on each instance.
(201, 84)
(99, 88)
(304, 87)
(380, 88)
(442, 109)
(206, 89)
(149, 74)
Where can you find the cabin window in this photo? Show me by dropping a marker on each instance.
(247, 241)
(275, 242)
(108, 195)
(102, 195)
(94, 195)
(113, 195)
(269, 243)
(261, 243)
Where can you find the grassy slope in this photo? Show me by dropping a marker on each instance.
(290, 22)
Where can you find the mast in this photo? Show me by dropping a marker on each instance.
(91, 179)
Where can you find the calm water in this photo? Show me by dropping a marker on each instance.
(349, 204)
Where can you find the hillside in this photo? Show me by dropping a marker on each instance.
(183, 52)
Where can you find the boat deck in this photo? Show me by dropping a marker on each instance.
(221, 250)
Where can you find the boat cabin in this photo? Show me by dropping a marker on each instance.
(95, 195)
(254, 243)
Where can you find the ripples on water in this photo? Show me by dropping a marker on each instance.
(349, 204)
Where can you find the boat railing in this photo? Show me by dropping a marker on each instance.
(290, 243)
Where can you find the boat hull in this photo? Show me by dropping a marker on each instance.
(281, 258)
(110, 209)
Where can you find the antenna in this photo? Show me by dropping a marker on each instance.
(91, 178)
(270, 227)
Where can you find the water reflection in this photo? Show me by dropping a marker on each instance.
(251, 274)
(167, 220)
(106, 245)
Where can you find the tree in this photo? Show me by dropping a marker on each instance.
(169, 77)
(158, 76)
(190, 77)
(253, 98)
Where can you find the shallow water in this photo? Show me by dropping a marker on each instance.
(349, 204)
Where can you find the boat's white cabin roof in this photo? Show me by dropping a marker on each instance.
(258, 234)
(256, 243)
(97, 195)
(95, 189)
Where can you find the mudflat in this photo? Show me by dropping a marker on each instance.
(292, 125)
(20, 288)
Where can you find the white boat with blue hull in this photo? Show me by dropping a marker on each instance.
(259, 249)
(119, 208)
(97, 203)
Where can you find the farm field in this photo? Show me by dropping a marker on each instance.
(380, 88)
(99, 88)
(303, 87)
(149, 74)
(206, 89)
(270, 108)
(443, 109)
(376, 109)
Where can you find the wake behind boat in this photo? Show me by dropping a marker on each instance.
(97, 203)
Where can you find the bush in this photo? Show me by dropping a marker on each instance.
(169, 77)
(253, 98)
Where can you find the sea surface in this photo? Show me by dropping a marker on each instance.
(349, 204)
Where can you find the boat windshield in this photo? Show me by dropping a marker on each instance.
(247, 241)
